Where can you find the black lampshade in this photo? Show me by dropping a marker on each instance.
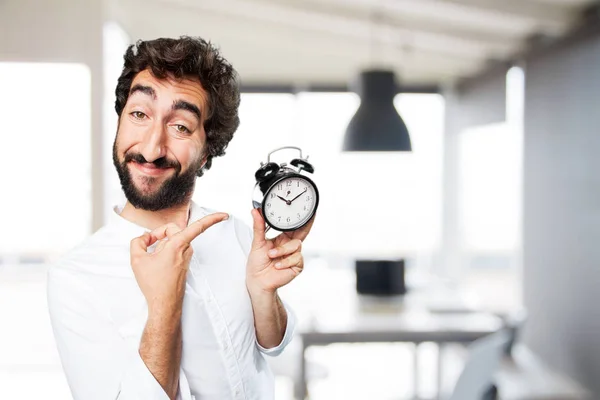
(376, 126)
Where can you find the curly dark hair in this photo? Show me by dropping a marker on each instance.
(189, 57)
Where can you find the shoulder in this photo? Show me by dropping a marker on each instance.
(91, 256)
(75, 280)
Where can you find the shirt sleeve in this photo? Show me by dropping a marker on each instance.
(245, 236)
(98, 363)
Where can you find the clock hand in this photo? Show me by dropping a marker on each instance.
(304, 191)
(288, 202)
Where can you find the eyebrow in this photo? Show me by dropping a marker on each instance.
(187, 106)
(177, 104)
(143, 89)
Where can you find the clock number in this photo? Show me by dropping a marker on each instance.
(299, 217)
(272, 213)
(272, 195)
(278, 219)
(289, 183)
(280, 187)
(308, 198)
(268, 205)
(298, 183)
(289, 219)
(305, 209)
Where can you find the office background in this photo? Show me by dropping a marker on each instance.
(497, 206)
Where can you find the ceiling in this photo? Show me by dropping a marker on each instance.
(326, 42)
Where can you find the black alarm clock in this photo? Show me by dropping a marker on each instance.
(284, 193)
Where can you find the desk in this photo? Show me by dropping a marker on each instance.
(394, 320)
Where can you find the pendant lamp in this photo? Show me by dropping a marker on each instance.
(377, 126)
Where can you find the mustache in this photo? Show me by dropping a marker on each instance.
(162, 162)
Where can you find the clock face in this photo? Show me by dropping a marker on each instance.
(290, 203)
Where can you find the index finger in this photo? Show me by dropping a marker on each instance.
(196, 228)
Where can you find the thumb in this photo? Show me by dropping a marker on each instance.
(259, 230)
(139, 245)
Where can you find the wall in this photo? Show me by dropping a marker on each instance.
(561, 253)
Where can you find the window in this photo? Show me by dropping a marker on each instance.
(489, 192)
(490, 176)
(45, 111)
(490, 199)
(45, 210)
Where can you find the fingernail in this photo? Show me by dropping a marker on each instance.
(226, 217)
(273, 252)
(277, 265)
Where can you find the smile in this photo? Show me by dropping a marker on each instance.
(149, 169)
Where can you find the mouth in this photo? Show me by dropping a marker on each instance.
(150, 169)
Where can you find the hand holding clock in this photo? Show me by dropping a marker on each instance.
(273, 263)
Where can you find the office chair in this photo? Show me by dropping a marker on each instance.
(476, 379)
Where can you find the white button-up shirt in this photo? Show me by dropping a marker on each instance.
(98, 314)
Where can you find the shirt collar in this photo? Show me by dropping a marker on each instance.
(131, 230)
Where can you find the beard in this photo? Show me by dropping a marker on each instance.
(174, 191)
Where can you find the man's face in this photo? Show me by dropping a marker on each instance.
(160, 141)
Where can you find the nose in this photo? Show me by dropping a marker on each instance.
(153, 144)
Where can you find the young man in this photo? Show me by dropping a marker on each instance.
(169, 299)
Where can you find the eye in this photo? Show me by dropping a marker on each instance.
(181, 129)
(138, 115)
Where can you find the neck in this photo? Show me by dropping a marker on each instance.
(179, 215)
